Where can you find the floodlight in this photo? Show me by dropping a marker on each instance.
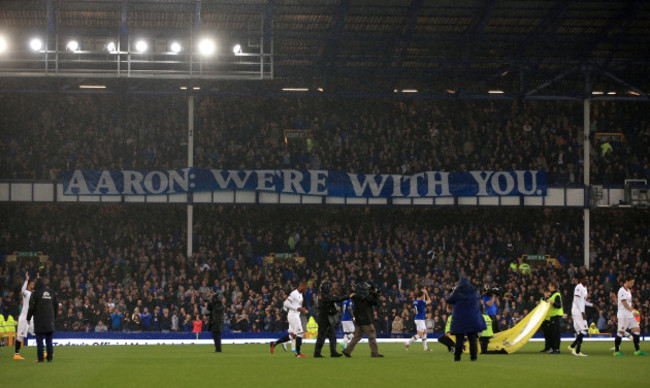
(111, 47)
(72, 45)
(3, 44)
(36, 44)
(175, 47)
(206, 47)
(237, 49)
(141, 46)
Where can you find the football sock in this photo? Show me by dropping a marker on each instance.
(298, 344)
(579, 339)
(617, 342)
(424, 343)
(18, 344)
(293, 344)
(413, 339)
(283, 339)
(346, 339)
(636, 340)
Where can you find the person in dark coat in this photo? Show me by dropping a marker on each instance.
(43, 308)
(466, 317)
(327, 319)
(216, 321)
(364, 298)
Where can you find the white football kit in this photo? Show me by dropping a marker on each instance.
(626, 320)
(579, 302)
(292, 304)
(23, 327)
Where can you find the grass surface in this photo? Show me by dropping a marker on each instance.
(253, 366)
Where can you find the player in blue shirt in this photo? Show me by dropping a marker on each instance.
(347, 322)
(420, 306)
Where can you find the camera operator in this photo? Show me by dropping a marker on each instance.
(327, 319)
(492, 304)
(216, 320)
(364, 298)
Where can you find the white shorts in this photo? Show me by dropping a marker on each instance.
(24, 328)
(295, 325)
(347, 326)
(420, 325)
(627, 323)
(579, 324)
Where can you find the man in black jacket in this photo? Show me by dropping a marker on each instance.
(216, 321)
(327, 319)
(43, 307)
(364, 298)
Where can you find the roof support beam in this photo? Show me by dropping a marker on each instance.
(331, 49)
(617, 28)
(197, 17)
(544, 34)
(403, 40)
(474, 33)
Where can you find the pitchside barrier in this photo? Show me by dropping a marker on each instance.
(63, 338)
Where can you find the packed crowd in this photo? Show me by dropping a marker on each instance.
(124, 268)
(352, 135)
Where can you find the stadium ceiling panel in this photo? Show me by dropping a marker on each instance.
(523, 48)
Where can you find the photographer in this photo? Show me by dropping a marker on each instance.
(492, 304)
(216, 320)
(328, 319)
(364, 298)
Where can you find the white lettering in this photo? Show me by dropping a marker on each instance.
(521, 181)
(292, 182)
(482, 182)
(133, 182)
(77, 181)
(375, 188)
(265, 179)
(437, 179)
(318, 179)
(397, 185)
(162, 182)
(233, 176)
(496, 183)
(106, 182)
(177, 179)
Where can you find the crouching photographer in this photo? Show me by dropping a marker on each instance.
(365, 296)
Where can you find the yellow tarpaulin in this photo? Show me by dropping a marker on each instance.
(512, 339)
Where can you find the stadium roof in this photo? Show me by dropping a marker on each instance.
(523, 48)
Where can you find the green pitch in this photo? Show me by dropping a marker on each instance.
(252, 365)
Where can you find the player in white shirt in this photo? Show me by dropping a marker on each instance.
(580, 324)
(293, 305)
(24, 328)
(627, 319)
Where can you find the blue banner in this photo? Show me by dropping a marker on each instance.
(307, 182)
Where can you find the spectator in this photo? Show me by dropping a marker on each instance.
(100, 327)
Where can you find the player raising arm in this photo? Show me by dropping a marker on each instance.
(24, 328)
